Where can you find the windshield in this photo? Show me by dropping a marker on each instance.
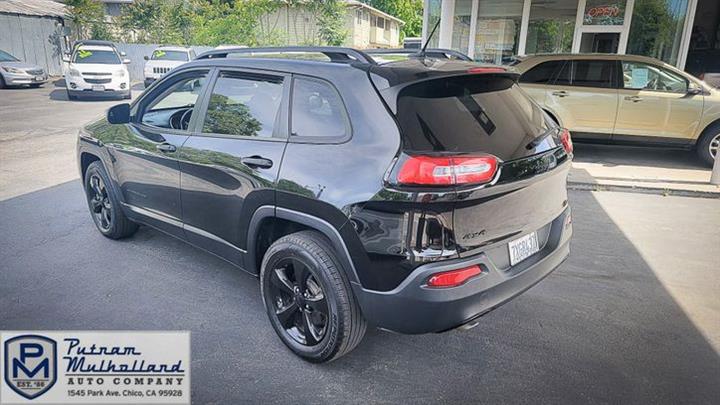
(95, 56)
(160, 54)
(6, 57)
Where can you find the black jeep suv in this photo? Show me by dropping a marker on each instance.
(415, 195)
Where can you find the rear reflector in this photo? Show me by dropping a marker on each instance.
(438, 171)
(453, 278)
(566, 141)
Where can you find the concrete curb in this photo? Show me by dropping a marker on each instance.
(642, 190)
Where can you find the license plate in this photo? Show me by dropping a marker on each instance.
(522, 248)
(39, 78)
(98, 87)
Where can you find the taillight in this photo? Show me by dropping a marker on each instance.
(486, 70)
(453, 278)
(445, 171)
(566, 141)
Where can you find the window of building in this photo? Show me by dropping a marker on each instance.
(656, 29)
(433, 13)
(243, 105)
(461, 25)
(498, 30)
(604, 12)
(381, 22)
(587, 73)
(551, 26)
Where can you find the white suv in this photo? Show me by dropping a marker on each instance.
(96, 68)
(163, 60)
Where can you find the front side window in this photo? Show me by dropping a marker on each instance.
(173, 107)
(587, 73)
(6, 57)
(642, 76)
(244, 105)
(96, 56)
(179, 56)
(317, 110)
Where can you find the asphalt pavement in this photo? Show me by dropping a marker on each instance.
(633, 316)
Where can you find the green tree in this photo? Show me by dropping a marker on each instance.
(410, 11)
(88, 17)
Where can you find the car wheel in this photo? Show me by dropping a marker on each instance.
(308, 298)
(104, 205)
(71, 96)
(709, 144)
(2, 82)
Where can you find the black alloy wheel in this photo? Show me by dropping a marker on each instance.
(100, 204)
(299, 301)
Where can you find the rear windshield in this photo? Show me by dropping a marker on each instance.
(95, 56)
(479, 113)
(160, 54)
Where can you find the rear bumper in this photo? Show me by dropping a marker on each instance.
(413, 308)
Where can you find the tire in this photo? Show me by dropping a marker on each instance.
(2, 82)
(104, 204)
(710, 139)
(338, 326)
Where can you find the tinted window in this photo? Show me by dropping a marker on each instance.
(542, 73)
(95, 56)
(642, 76)
(173, 107)
(244, 105)
(586, 73)
(468, 114)
(160, 54)
(317, 110)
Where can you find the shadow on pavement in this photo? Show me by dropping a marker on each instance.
(615, 155)
(600, 329)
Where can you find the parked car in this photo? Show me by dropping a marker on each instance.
(625, 99)
(14, 72)
(705, 65)
(415, 196)
(97, 69)
(412, 43)
(164, 59)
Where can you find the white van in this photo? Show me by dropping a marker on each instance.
(97, 69)
(164, 59)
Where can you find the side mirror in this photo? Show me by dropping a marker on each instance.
(146, 57)
(119, 114)
(694, 89)
(122, 53)
(66, 58)
(126, 61)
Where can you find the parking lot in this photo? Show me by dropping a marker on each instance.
(632, 316)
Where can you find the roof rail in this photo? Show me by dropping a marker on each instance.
(439, 53)
(335, 53)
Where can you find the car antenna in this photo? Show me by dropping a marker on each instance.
(422, 51)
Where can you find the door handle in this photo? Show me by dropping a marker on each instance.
(257, 162)
(634, 99)
(166, 148)
(560, 93)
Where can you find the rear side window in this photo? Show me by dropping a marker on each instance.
(587, 73)
(317, 111)
(244, 105)
(542, 73)
(478, 113)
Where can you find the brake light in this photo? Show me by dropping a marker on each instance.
(486, 70)
(453, 278)
(444, 171)
(566, 141)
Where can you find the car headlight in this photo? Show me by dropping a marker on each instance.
(74, 72)
(120, 73)
(13, 70)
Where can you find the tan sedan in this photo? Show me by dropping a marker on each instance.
(625, 99)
